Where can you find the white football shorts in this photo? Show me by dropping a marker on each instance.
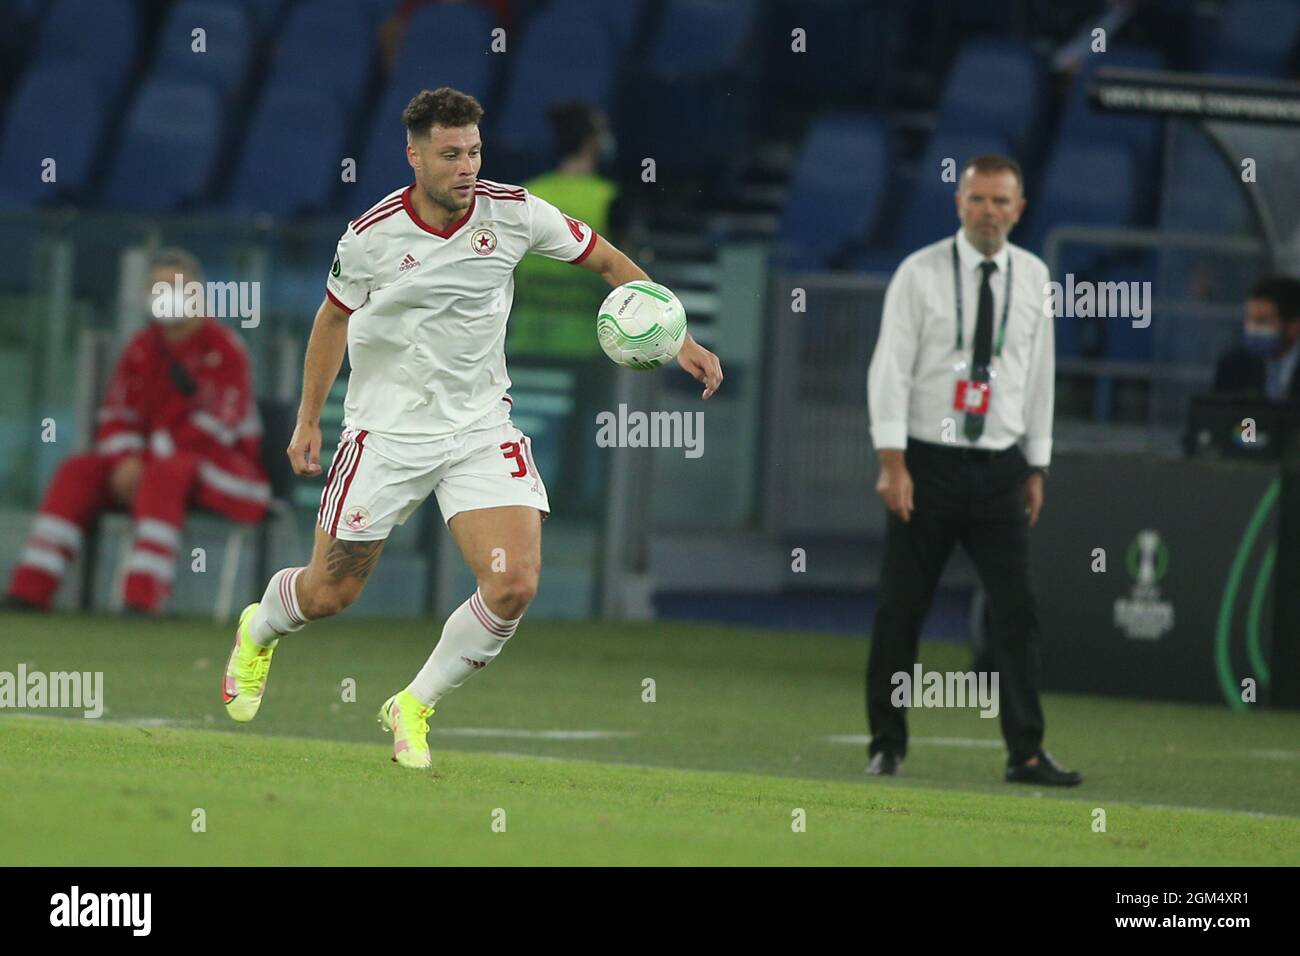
(374, 485)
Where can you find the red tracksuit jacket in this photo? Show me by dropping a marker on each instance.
(148, 412)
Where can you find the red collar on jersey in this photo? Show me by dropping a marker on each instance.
(440, 233)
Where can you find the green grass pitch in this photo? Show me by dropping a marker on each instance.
(553, 756)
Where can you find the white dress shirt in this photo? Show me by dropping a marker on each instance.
(914, 371)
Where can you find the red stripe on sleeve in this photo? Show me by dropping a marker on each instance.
(591, 244)
(337, 301)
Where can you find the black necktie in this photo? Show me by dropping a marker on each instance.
(983, 346)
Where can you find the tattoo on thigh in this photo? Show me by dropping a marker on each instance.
(352, 559)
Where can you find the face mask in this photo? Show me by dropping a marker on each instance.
(1261, 342)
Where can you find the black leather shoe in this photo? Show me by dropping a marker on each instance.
(885, 764)
(1046, 773)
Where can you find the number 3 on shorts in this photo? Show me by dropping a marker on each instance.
(510, 449)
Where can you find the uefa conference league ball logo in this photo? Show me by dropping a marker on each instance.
(1143, 615)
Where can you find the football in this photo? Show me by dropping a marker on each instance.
(641, 325)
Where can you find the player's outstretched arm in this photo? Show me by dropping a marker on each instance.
(615, 268)
(325, 349)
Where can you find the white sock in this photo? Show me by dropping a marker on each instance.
(278, 614)
(472, 636)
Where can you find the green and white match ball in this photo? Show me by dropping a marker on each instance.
(641, 325)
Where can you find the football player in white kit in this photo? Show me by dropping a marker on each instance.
(419, 293)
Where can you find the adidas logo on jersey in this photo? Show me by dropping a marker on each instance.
(408, 262)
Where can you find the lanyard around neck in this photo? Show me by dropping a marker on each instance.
(1006, 300)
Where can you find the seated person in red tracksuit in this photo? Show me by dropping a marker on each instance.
(178, 429)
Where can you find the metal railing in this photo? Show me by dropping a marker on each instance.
(819, 467)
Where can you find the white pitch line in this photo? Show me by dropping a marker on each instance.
(834, 738)
(1274, 754)
(532, 734)
(116, 722)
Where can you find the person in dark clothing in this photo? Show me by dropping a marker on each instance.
(1266, 364)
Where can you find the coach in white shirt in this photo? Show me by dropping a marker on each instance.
(962, 377)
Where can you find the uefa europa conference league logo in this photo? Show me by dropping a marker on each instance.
(1143, 615)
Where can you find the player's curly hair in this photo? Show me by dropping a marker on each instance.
(441, 107)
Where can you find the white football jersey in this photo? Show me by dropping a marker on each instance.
(428, 307)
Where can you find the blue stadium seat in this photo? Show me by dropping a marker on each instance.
(376, 11)
(836, 192)
(559, 59)
(327, 44)
(447, 46)
(443, 46)
(1083, 186)
(276, 175)
(382, 165)
(995, 88)
(55, 113)
(1256, 37)
(930, 211)
(848, 51)
(228, 45)
(97, 34)
(699, 85)
(701, 37)
(1083, 125)
(620, 21)
(264, 14)
(170, 145)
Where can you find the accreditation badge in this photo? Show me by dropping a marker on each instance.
(972, 396)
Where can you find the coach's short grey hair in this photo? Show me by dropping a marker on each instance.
(995, 163)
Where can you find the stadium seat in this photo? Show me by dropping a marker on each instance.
(559, 59)
(275, 175)
(55, 113)
(170, 143)
(848, 49)
(263, 14)
(376, 11)
(443, 46)
(620, 21)
(836, 192)
(701, 37)
(1083, 125)
(382, 165)
(995, 88)
(277, 419)
(698, 84)
(1256, 38)
(930, 211)
(326, 44)
(447, 46)
(1083, 186)
(96, 35)
(228, 45)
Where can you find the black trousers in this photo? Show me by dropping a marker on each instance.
(977, 498)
